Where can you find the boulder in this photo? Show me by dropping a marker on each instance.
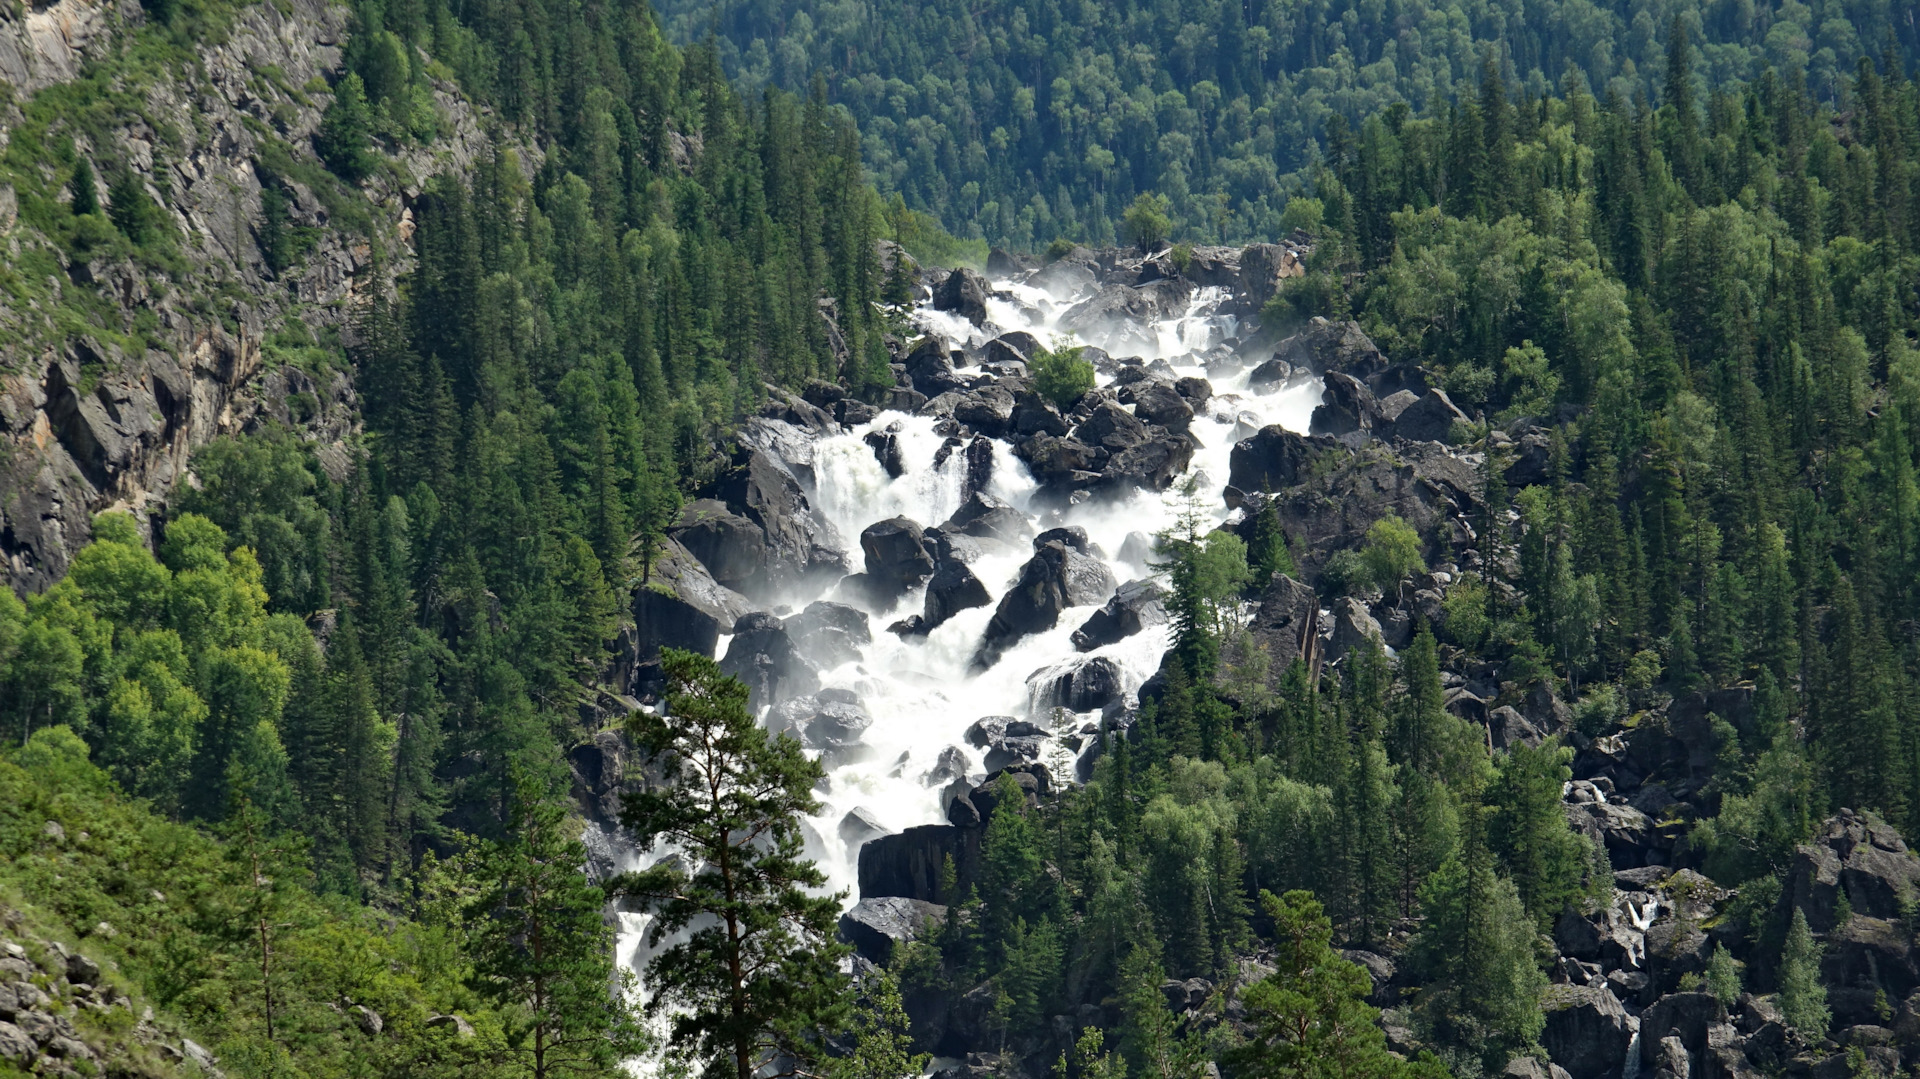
(1324, 346)
(1196, 390)
(949, 765)
(1347, 407)
(984, 517)
(886, 449)
(829, 634)
(682, 606)
(1161, 404)
(1532, 459)
(1056, 461)
(909, 863)
(896, 556)
(1081, 685)
(988, 410)
(1269, 376)
(1587, 1031)
(1506, 727)
(1857, 852)
(1286, 624)
(763, 656)
(1430, 418)
(1352, 623)
(1122, 312)
(1686, 1018)
(876, 926)
(1035, 415)
(1134, 606)
(1271, 460)
(1053, 580)
(952, 588)
(837, 729)
(759, 486)
(1392, 405)
(860, 825)
(1153, 464)
(730, 546)
(982, 733)
(1111, 428)
(1073, 536)
(1065, 279)
(1380, 972)
(964, 292)
(930, 367)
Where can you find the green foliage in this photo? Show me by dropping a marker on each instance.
(1146, 221)
(1393, 550)
(1550, 863)
(1722, 978)
(1477, 950)
(345, 138)
(760, 973)
(882, 1045)
(1803, 999)
(83, 187)
(1268, 552)
(1060, 375)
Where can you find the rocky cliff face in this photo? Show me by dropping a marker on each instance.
(112, 371)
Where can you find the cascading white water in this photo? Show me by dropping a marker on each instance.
(919, 689)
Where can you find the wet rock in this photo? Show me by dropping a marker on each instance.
(1112, 428)
(1625, 832)
(731, 547)
(829, 634)
(909, 863)
(1271, 460)
(763, 656)
(1159, 403)
(682, 606)
(1683, 1018)
(987, 410)
(1392, 405)
(800, 548)
(1073, 536)
(1270, 376)
(886, 450)
(1056, 461)
(984, 517)
(860, 825)
(1506, 727)
(930, 367)
(1035, 415)
(598, 766)
(952, 588)
(964, 292)
(1134, 606)
(853, 413)
(1137, 549)
(950, 765)
(1012, 751)
(1587, 1031)
(1120, 312)
(875, 927)
(896, 556)
(1153, 465)
(1430, 418)
(1347, 407)
(1053, 580)
(1196, 390)
(1324, 346)
(1078, 686)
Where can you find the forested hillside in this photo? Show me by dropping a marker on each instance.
(1022, 122)
(423, 419)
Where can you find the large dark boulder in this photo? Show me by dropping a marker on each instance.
(1271, 460)
(1430, 418)
(930, 367)
(732, 547)
(1124, 312)
(1686, 1016)
(1081, 685)
(952, 589)
(1286, 624)
(909, 863)
(1134, 606)
(682, 606)
(1054, 579)
(1324, 346)
(829, 634)
(896, 555)
(1587, 1031)
(763, 656)
(1161, 404)
(1056, 461)
(1153, 464)
(1035, 415)
(876, 926)
(964, 292)
(983, 516)
(1346, 407)
(1112, 428)
(987, 410)
(1859, 853)
(759, 486)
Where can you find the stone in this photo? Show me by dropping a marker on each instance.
(1285, 624)
(1352, 623)
(860, 825)
(1073, 536)
(762, 655)
(1195, 389)
(950, 765)
(1054, 579)
(367, 1019)
(829, 634)
(876, 926)
(886, 450)
(1844, 855)
(1152, 465)
(909, 863)
(451, 1024)
(15, 1045)
(1380, 972)
(1160, 404)
(1271, 460)
(930, 368)
(1084, 685)
(964, 292)
(731, 547)
(682, 606)
(984, 517)
(1587, 1031)
(988, 410)
(896, 556)
(1347, 407)
(1134, 606)
(1323, 346)
(952, 588)
(1269, 376)
(1431, 418)
(1683, 1018)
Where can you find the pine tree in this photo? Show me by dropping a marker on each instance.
(1803, 1000)
(761, 973)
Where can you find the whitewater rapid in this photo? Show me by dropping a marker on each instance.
(920, 690)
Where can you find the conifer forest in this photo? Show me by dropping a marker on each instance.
(1029, 539)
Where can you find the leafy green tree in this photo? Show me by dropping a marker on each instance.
(1723, 977)
(1060, 375)
(1549, 863)
(883, 1048)
(1476, 949)
(760, 975)
(345, 138)
(542, 950)
(1803, 1000)
(1392, 551)
(1147, 223)
(1309, 1018)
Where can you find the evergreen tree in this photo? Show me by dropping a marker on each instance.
(760, 974)
(1803, 1000)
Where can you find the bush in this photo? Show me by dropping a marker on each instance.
(1392, 551)
(1060, 375)
(1146, 221)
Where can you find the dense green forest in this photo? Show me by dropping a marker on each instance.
(1026, 121)
(1703, 280)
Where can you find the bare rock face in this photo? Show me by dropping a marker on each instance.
(1055, 578)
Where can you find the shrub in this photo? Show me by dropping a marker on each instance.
(1060, 375)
